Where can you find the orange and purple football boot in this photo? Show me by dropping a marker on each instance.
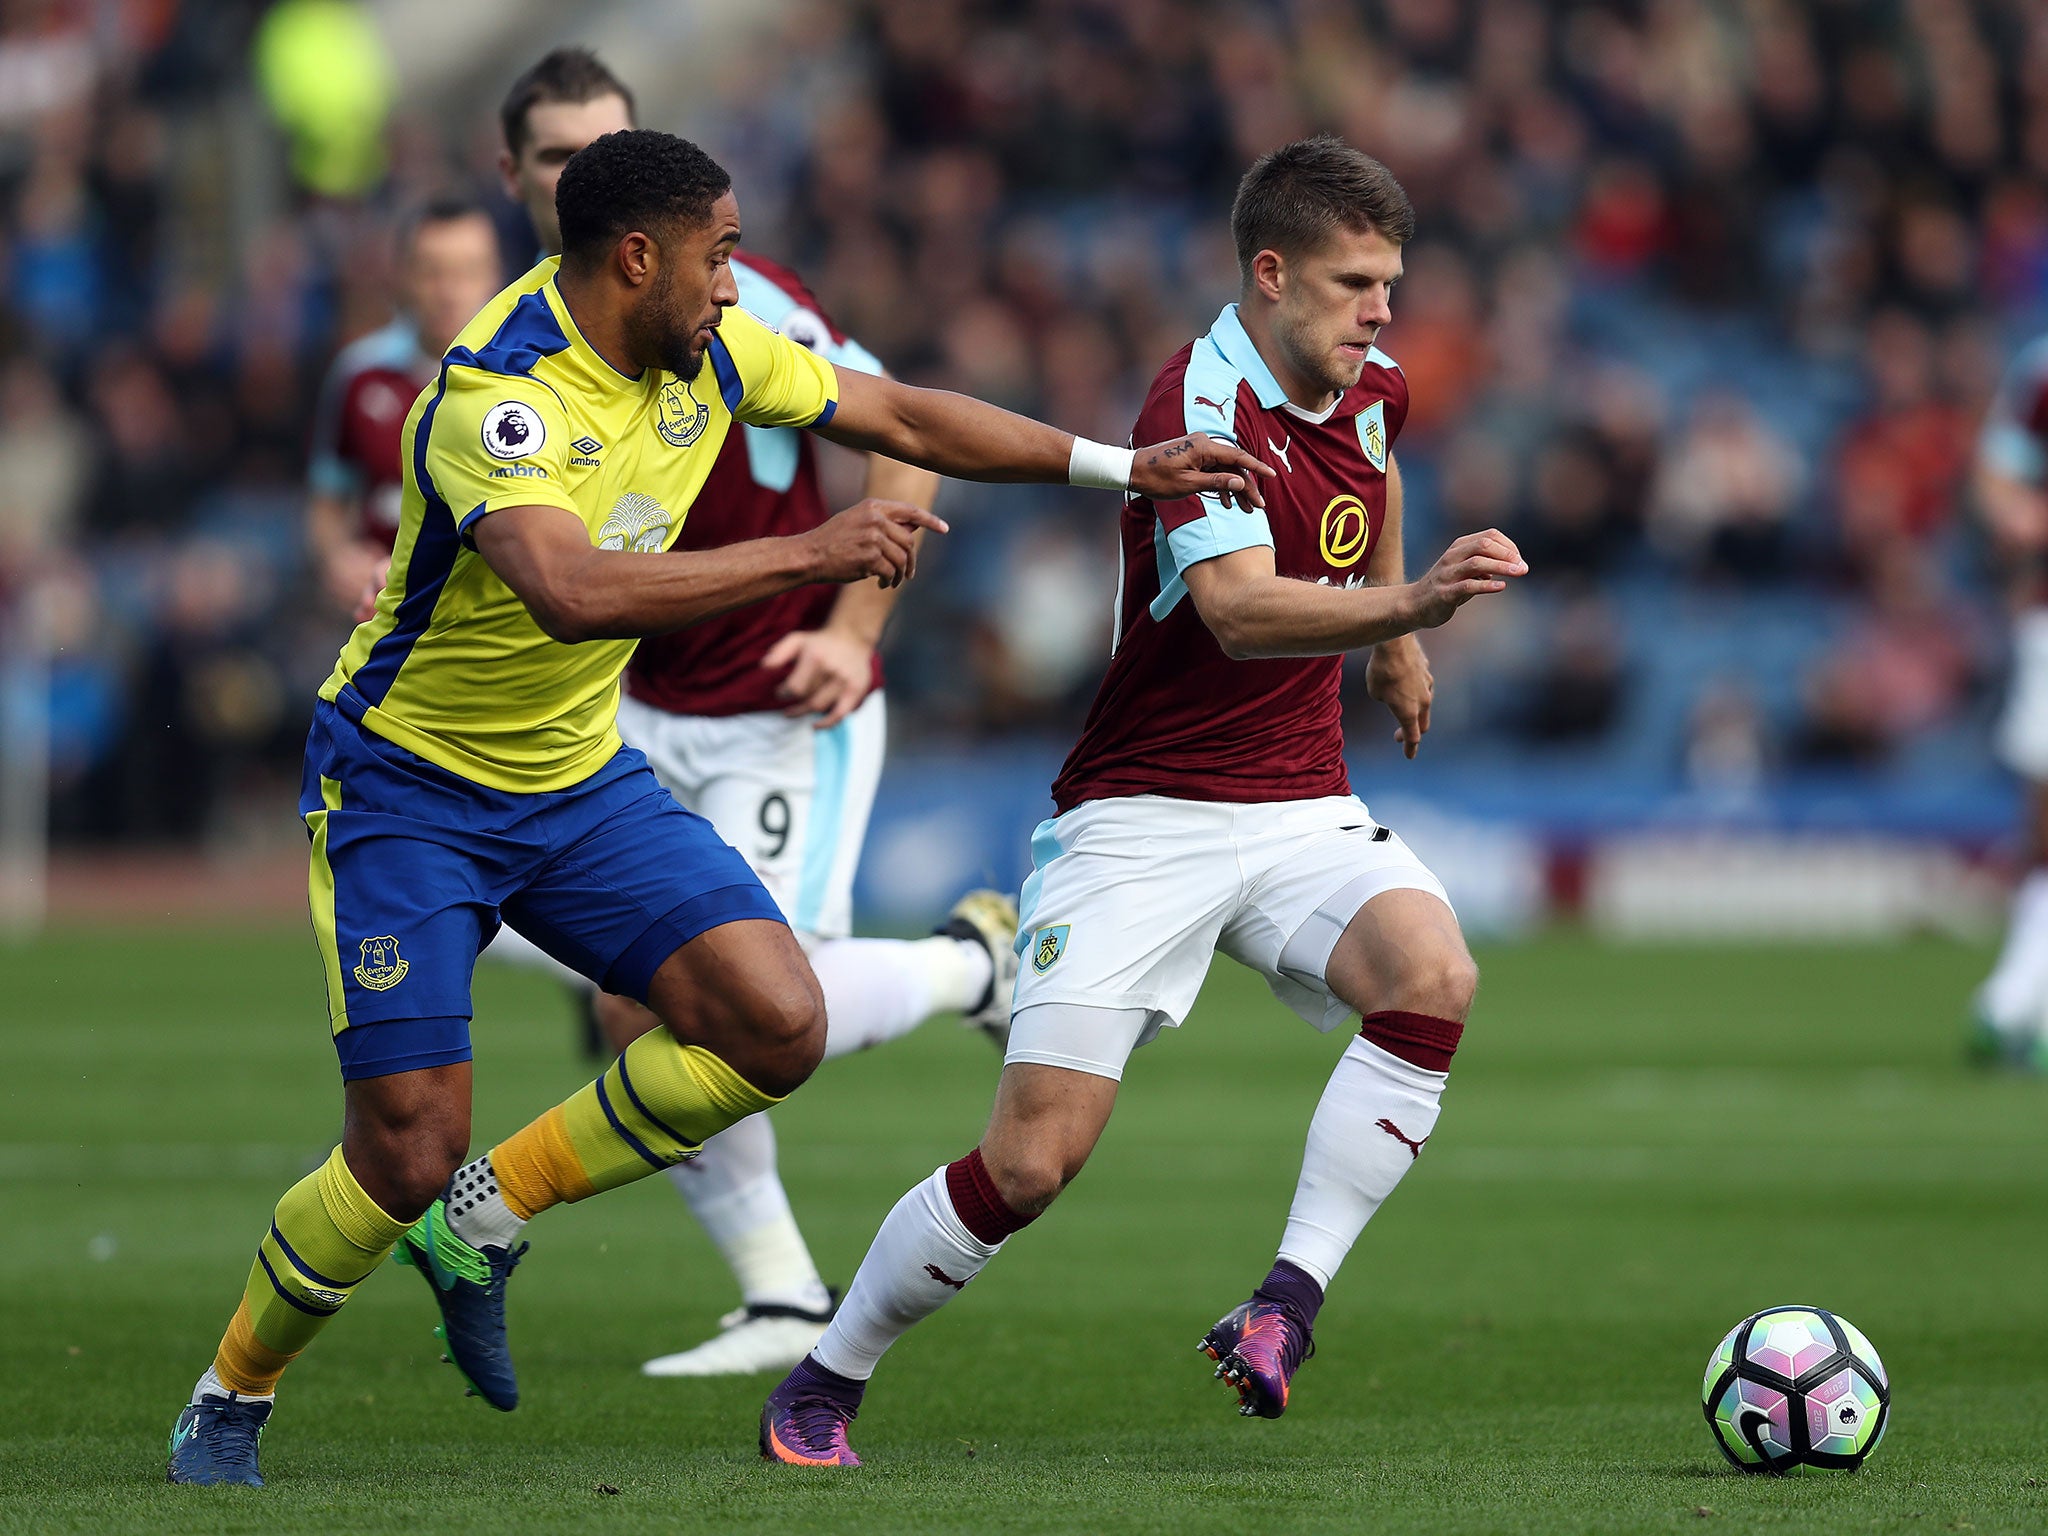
(803, 1423)
(1258, 1346)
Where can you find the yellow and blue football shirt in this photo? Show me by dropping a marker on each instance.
(452, 666)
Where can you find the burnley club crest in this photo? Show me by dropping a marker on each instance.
(1052, 943)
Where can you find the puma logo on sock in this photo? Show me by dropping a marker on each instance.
(943, 1278)
(1393, 1130)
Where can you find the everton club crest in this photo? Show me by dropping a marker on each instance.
(382, 967)
(683, 416)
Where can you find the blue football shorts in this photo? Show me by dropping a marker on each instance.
(414, 868)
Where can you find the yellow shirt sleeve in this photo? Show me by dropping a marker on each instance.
(768, 380)
(493, 441)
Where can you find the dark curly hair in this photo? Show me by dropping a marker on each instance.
(637, 178)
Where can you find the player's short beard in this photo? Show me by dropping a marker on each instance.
(668, 330)
(1315, 365)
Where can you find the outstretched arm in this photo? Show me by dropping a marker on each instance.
(576, 592)
(972, 440)
(1255, 612)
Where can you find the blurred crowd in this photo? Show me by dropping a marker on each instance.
(1706, 305)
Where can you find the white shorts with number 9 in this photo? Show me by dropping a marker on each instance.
(794, 800)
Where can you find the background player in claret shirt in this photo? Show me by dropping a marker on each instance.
(769, 722)
(2012, 489)
(1206, 806)
(447, 270)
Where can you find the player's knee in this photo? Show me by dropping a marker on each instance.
(1029, 1178)
(784, 1030)
(404, 1171)
(1441, 982)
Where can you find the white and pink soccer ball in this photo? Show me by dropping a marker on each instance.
(1796, 1389)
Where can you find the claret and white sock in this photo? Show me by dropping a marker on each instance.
(939, 1237)
(875, 990)
(1375, 1116)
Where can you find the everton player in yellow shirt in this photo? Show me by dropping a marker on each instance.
(463, 765)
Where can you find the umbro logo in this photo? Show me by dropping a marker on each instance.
(586, 444)
(943, 1278)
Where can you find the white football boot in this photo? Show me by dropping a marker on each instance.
(749, 1340)
(989, 918)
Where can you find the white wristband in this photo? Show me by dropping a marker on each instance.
(1100, 466)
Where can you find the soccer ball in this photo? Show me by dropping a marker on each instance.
(1796, 1389)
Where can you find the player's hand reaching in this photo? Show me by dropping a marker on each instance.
(830, 673)
(372, 589)
(1196, 465)
(870, 538)
(1473, 566)
(1399, 677)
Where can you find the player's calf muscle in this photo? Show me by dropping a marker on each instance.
(1045, 1124)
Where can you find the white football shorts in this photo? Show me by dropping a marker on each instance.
(2023, 730)
(1129, 899)
(794, 800)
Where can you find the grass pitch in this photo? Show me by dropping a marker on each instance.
(1639, 1147)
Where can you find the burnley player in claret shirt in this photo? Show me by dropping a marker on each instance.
(1207, 807)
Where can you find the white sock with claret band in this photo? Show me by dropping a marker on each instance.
(1374, 1118)
(939, 1237)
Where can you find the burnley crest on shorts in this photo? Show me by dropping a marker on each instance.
(1052, 943)
(382, 967)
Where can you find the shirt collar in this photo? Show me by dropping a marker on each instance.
(592, 360)
(1236, 346)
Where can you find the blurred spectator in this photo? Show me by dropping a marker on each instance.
(1723, 501)
(1903, 668)
(1571, 530)
(1573, 694)
(327, 77)
(44, 462)
(1727, 752)
(1900, 465)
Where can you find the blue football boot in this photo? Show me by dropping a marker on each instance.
(469, 1287)
(215, 1440)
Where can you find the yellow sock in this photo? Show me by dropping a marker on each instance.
(653, 1107)
(325, 1239)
